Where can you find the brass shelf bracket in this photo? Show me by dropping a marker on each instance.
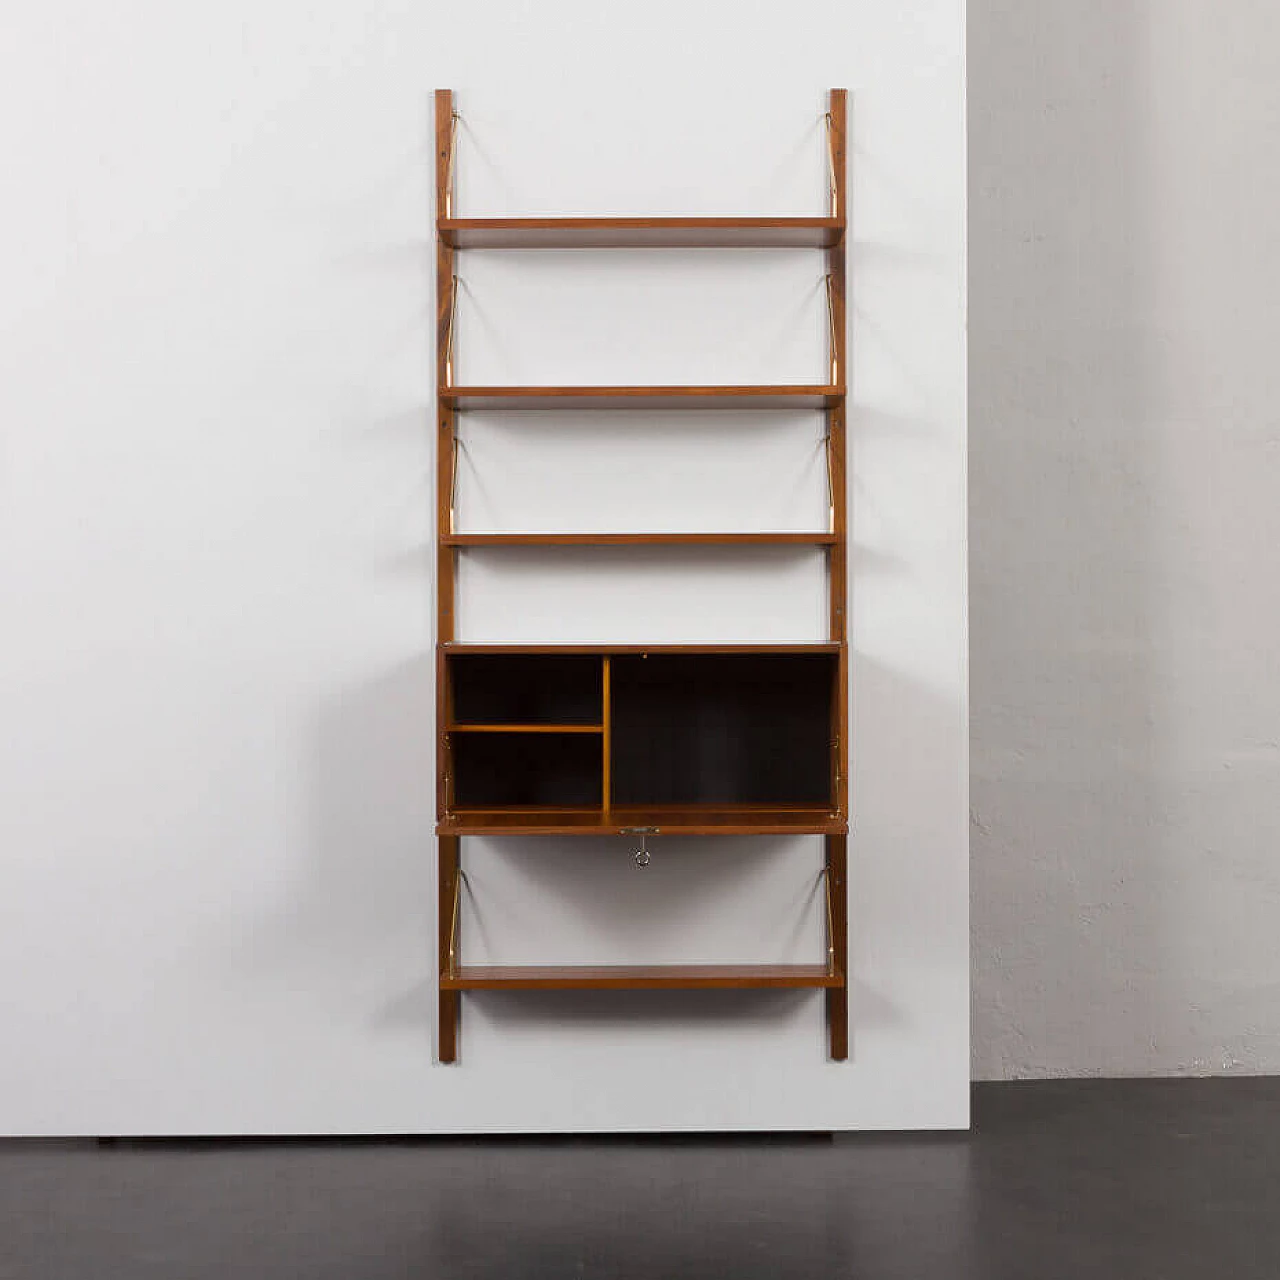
(825, 876)
(453, 927)
(825, 442)
(448, 172)
(448, 342)
(831, 162)
(453, 482)
(834, 335)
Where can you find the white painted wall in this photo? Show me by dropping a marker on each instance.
(1125, 471)
(216, 497)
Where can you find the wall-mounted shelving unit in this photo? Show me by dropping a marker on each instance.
(735, 739)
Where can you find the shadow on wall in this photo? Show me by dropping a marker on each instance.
(354, 925)
(1069, 876)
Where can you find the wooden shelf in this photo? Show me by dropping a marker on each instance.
(641, 233)
(708, 397)
(701, 977)
(690, 820)
(636, 539)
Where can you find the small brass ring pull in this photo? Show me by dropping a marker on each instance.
(642, 855)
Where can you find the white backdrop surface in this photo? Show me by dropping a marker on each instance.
(216, 500)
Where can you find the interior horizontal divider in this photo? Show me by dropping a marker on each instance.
(525, 728)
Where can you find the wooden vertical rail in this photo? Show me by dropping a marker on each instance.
(838, 106)
(446, 460)
(446, 573)
(838, 997)
(444, 740)
(838, 611)
(449, 930)
(838, 565)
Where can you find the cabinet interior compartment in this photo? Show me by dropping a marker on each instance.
(537, 689)
(502, 770)
(722, 729)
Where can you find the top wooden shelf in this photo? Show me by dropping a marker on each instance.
(513, 648)
(641, 233)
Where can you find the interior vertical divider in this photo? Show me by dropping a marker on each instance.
(606, 745)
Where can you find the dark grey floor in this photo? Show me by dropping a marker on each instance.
(1154, 1180)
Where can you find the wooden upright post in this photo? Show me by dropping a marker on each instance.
(449, 926)
(838, 566)
(447, 859)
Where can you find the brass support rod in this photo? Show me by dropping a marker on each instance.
(453, 320)
(453, 927)
(453, 151)
(831, 484)
(825, 876)
(831, 322)
(453, 484)
(831, 162)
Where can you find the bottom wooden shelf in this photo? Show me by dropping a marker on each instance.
(706, 977)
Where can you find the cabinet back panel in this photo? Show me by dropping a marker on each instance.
(722, 730)
(519, 689)
(504, 770)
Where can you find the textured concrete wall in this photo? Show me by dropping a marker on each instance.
(1125, 497)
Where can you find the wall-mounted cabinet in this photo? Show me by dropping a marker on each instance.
(676, 737)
